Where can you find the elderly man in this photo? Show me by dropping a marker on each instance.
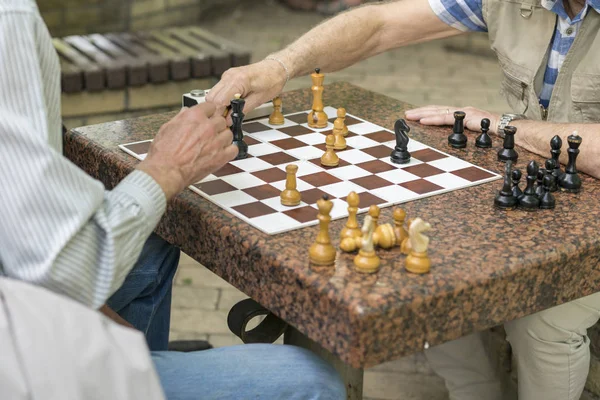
(550, 55)
(61, 231)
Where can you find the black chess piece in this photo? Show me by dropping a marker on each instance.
(547, 200)
(570, 180)
(508, 147)
(458, 139)
(530, 201)
(550, 168)
(505, 198)
(555, 145)
(484, 140)
(539, 189)
(237, 116)
(400, 154)
(516, 178)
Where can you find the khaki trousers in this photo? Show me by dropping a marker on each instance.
(552, 349)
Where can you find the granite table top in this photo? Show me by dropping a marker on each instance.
(488, 266)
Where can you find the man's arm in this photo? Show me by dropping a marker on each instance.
(535, 136)
(59, 228)
(334, 44)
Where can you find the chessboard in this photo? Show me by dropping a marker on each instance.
(250, 188)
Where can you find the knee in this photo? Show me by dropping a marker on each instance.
(314, 375)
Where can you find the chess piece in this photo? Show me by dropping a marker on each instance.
(529, 201)
(550, 168)
(516, 178)
(374, 213)
(401, 234)
(383, 236)
(340, 142)
(505, 198)
(547, 200)
(539, 189)
(458, 139)
(400, 154)
(340, 121)
(329, 158)
(417, 261)
(508, 152)
(276, 117)
(290, 196)
(317, 118)
(405, 245)
(484, 140)
(351, 229)
(570, 180)
(321, 252)
(366, 261)
(237, 116)
(555, 145)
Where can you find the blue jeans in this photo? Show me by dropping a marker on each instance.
(144, 300)
(259, 371)
(251, 371)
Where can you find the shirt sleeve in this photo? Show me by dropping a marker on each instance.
(464, 15)
(59, 228)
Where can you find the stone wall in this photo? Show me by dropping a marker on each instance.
(70, 17)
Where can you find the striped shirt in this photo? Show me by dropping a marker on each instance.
(59, 228)
(467, 15)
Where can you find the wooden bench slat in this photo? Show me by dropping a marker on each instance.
(114, 69)
(93, 76)
(201, 61)
(179, 64)
(240, 54)
(137, 70)
(158, 65)
(220, 59)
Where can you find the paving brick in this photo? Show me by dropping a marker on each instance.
(224, 340)
(141, 7)
(199, 321)
(229, 297)
(176, 335)
(397, 386)
(196, 298)
(199, 276)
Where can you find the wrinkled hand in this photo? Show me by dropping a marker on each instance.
(444, 115)
(192, 145)
(257, 83)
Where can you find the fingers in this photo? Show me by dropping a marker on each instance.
(198, 113)
(218, 122)
(428, 111)
(441, 119)
(224, 138)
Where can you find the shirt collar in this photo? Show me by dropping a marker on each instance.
(557, 7)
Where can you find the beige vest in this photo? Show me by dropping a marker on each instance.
(520, 32)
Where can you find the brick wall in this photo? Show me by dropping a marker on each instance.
(69, 17)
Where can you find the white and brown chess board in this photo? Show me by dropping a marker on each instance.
(250, 188)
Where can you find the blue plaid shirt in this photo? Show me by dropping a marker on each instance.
(466, 15)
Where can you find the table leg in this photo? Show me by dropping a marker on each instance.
(352, 377)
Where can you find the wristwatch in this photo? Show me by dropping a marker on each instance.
(506, 119)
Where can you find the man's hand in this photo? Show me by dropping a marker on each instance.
(444, 115)
(257, 83)
(192, 145)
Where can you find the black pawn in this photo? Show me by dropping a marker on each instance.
(484, 140)
(516, 179)
(400, 154)
(539, 189)
(508, 147)
(530, 201)
(570, 181)
(555, 145)
(237, 116)
(550, 168)
(458, 139)
(547, 200)
(505, 198)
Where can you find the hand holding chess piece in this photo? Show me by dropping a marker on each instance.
(290, 196)
(322, 252)
(276, 117)
(417, 261)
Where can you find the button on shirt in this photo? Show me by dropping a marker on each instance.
(467, 15)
